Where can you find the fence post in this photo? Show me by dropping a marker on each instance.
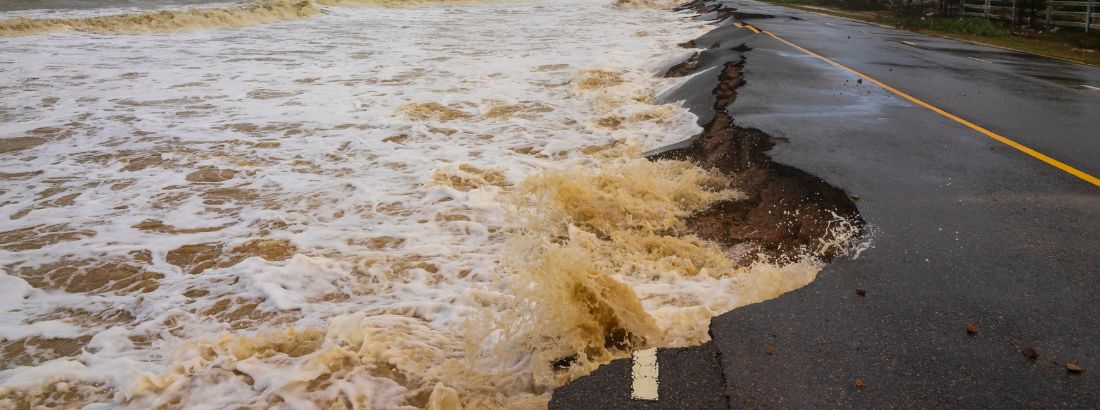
(1050, 8)
(1088, 16)
(1013, 12)
(986, 11)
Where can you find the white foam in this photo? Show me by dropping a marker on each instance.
(301, 110)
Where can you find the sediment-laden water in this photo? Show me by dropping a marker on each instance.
(330, 205)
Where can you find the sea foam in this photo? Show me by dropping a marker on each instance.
(369, 208)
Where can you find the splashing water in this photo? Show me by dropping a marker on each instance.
(257, 12)
(169, 18)
(370, 208)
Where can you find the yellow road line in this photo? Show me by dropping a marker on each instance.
(1020, 147)
(748, 26)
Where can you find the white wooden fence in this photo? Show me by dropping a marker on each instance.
(1082, 14)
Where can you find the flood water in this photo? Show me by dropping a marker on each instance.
(345, 205)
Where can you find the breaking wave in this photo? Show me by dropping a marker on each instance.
(254, 13)
(258, 12)
(603, 264)
(397, 3)
(649, 4)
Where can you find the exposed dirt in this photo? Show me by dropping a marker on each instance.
(787, 212)
(683, 68)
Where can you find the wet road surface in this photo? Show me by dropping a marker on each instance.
(965, 229)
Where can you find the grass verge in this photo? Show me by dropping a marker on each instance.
(1072, 46)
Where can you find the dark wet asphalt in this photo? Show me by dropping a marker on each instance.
(699, 384)
(965, 230)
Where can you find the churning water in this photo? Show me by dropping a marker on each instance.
(336, 205)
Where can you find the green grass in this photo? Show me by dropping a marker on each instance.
(1066, 44)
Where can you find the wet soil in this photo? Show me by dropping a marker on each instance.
(788, 213)
(685, 67)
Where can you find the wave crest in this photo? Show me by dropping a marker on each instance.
(394, 3)
(258, 12)
(646, 4)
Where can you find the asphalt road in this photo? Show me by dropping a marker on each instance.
(965, 230)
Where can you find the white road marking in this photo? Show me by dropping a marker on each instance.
(984, 61)
(909, 43)
(1091, 87)
(644, 373)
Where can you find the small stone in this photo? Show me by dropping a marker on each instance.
(855, 197)
(971, 329)
(861, 291)
(859, 81)
(1030, 353)
(1074, 368)
(859, 384)
(769, 350)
